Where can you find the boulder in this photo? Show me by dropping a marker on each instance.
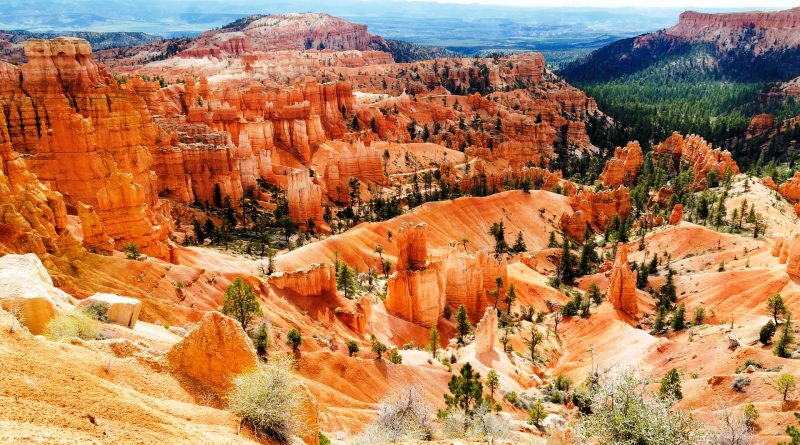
(27, 291)
(215, 352)
(123, 311)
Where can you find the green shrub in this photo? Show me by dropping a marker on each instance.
(97, 310)
(323, 439)
(395, 357)
(76, 324)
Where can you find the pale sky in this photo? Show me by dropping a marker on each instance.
(684, 4)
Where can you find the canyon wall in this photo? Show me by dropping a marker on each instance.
(88, 138)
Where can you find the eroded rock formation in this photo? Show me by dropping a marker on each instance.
(416, 290)
(485, 331)
(214, 352)
(793, 256)
(622, 284)
(595, 210)
(677, 214)
(304, 197)
(79, 130)
(791, 191)
(623, 168)
(123, 311)
(317, 279)
(700, 155)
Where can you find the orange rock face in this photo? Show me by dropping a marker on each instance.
(318, 279)
(769, 182)
(761, 123)
(622, 284)
(79, 130)
(793, 256)
(791, 191)
(698, 153)
(214, 352)
(304, 197)
(623, 168)
(677, 214)
(416, 291)
(485, 332)
(595, 210)
(32, 215)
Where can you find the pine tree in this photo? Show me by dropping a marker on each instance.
(466, 390)
(671, 385)
(492, 382)
(511, 295)
(434, 337)
(679, 318)
(240, 303)
(785, 340)
(566, 268)
(519, 244)
(462, 323)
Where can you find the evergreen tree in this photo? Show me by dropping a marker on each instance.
(466, 390)
(462, 323)
(776, 307)
(434, 337)
(511, 295)
(671, 385)
(566, 267)
(240, 303)
(785, 340)
(294, 339)
(492, 382)
(679, 318)
(352, 348)
(519, 244)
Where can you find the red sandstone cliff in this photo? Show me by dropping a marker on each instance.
(623, 168)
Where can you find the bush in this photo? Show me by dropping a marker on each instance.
(262, 337)
(625, 411)
(403, 416)
(323, 439)
(480, 424)
(395, 357)
(767, 332)
(270, 399)
(739, 383)
(294, 339)
(132, 252)
(97, 310)
(76, 324)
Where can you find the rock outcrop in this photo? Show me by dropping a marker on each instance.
(279, 32)
(776, 30)
(622, 284)
(123, 311)
(699, 154)
(27, 291)
(304, 196)
(791, 191)
(486, 331)
(316, 280)
(416, 290)
(677, 214)
(624, 167)
(793, 256)
(214, 352)
(595, 210)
